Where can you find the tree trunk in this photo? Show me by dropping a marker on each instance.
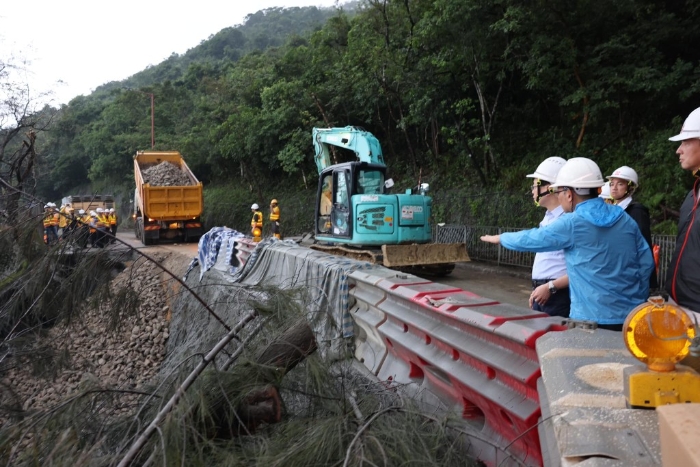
(264, 405)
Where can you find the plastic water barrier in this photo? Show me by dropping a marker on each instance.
(456, 351)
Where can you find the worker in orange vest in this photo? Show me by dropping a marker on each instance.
(82, 227)
(62, 220)
(256, 224)
(102, 228)
(50, 223)
(275, 219)
(113, 221)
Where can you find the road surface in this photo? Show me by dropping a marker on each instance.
(505, 285)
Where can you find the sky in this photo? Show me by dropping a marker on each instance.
(74, 46)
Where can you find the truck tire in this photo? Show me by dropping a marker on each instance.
(146, 241)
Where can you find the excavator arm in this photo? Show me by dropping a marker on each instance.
(363, 143)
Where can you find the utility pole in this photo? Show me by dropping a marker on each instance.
(153, 115)
(153, 126)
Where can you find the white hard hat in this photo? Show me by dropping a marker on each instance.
(625, 173)
(52, 205)
(98, 210)
(93, 213)
(548, 169)
(82, 211)
(46, 206)
(691, 127)
(605, 191)
(579, 172)
(255, 206)
(111, 209)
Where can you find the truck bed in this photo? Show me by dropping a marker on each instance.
(167, 203)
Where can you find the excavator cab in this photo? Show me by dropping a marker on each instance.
(336, 197)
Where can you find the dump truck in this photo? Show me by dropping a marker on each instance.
(89, 202)
(168, 200)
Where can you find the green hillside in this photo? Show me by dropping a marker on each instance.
(467, 95)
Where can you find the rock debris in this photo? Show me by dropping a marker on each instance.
(123, 359)
(165, 174)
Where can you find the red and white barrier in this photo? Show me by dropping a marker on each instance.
(459, 351)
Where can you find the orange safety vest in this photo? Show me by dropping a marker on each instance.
(113, 219)
(275, 214)
(62, 221)
(103, 220)
(55, 219)
(257, 220)
(48, 219)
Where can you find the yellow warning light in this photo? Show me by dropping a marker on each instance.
(658, 334)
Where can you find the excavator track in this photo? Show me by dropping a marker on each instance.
(371, 256)
(436, 259)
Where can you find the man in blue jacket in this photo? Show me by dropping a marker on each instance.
(607, 259)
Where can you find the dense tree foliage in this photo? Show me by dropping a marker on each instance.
(465, 93)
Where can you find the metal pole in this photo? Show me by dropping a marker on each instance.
(153, 130)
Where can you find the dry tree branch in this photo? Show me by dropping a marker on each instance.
(364, 427)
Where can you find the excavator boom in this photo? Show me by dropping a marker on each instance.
(363, 143)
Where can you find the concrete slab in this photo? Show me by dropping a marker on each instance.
(584, 415)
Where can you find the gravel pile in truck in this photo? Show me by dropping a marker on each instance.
(165, 174)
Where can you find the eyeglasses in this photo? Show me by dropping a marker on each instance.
(556, 192)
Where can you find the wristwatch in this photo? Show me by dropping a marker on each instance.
(552, 289)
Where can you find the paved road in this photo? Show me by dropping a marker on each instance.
(505, 285)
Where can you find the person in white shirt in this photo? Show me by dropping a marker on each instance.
(550, 284)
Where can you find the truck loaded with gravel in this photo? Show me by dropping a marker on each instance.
(168, 201)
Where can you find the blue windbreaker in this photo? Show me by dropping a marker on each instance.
(607, 259)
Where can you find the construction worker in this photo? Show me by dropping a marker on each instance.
(683, 277)
(275, 219)
(49, 238)
(256, 224)
(92, 228)
(70, 219)
(607, 259)
(51, 223)
(623, 183)
(605, 193)
(82, 227)
(62, 220)
(550, 284)
(113, 221)
(326, 205)
(102, 227)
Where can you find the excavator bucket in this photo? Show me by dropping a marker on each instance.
(424, 254)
